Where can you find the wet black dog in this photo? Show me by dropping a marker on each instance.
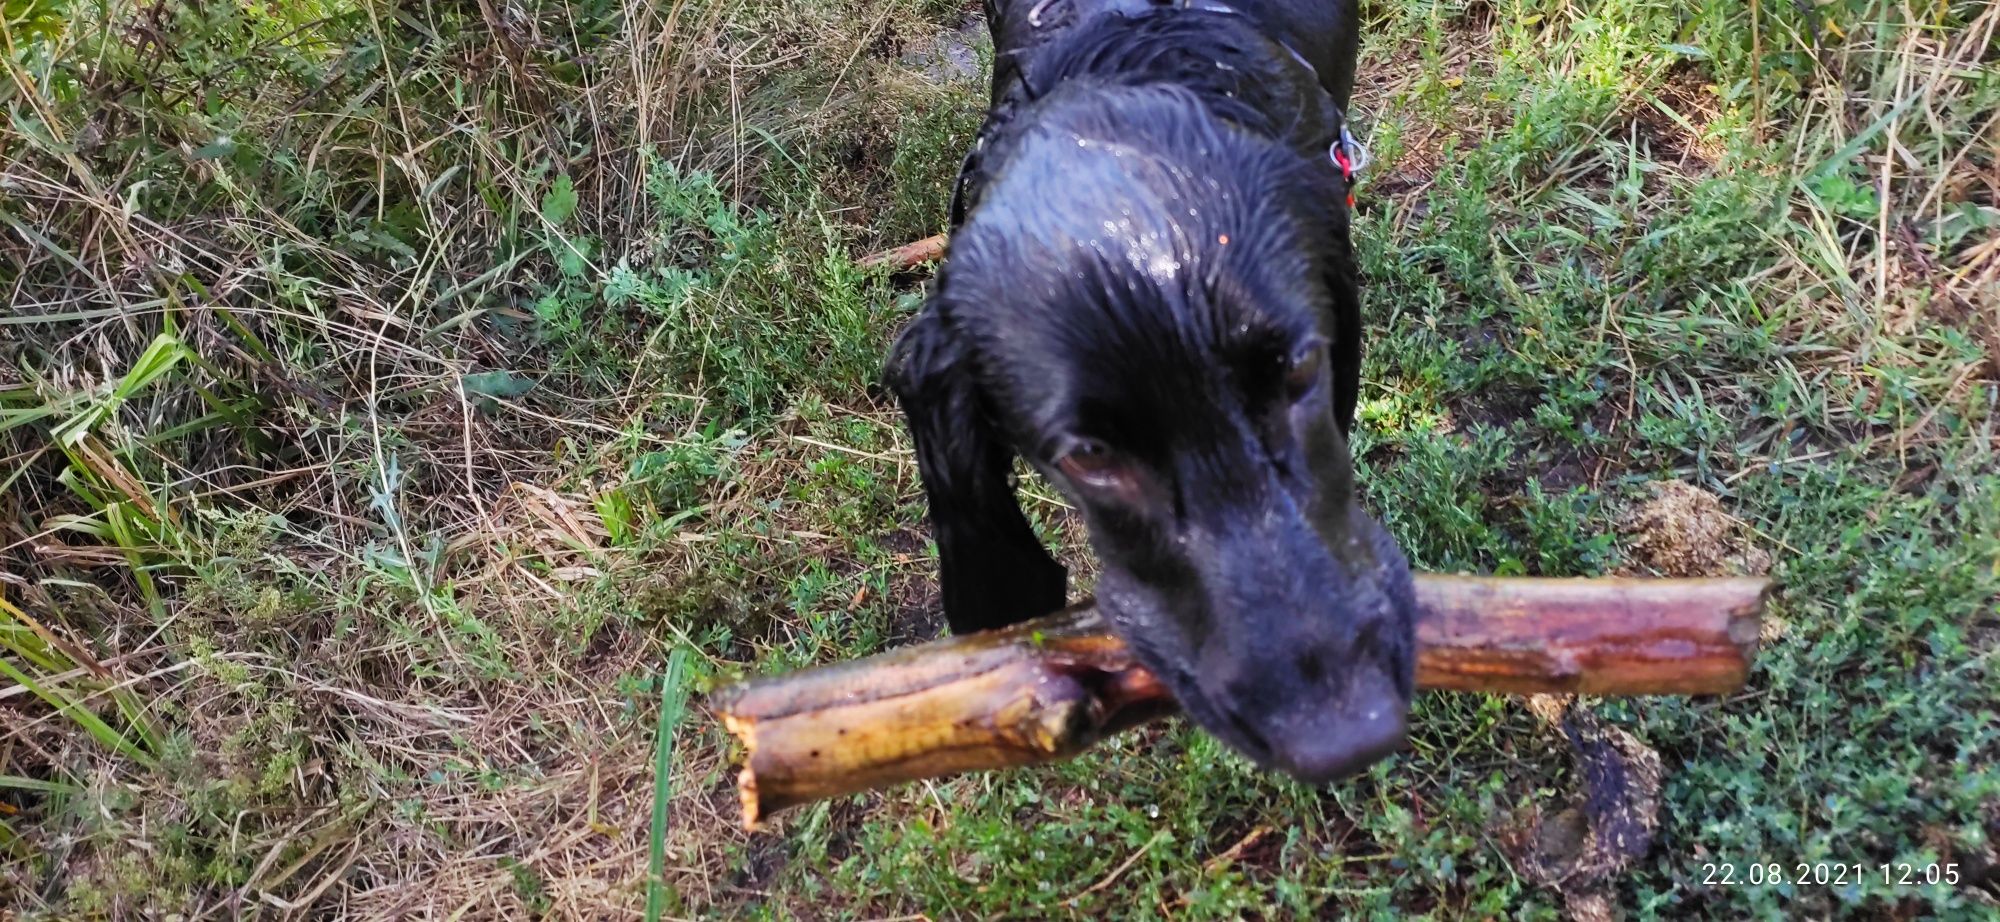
(1150, 296)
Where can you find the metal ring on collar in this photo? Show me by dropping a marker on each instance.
(1357, 156)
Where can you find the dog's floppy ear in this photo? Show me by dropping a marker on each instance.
(994, 570)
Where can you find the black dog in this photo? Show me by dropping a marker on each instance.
(1150, 296)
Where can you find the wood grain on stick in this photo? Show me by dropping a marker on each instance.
(1050, 688)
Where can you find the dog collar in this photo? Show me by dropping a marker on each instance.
(1349, 155)
(1346, 152)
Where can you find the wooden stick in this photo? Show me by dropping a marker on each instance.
(1050, 688)
(909, 255)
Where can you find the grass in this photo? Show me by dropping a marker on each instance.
(389, 392)
(673, 703)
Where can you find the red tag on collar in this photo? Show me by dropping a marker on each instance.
(1346, 168)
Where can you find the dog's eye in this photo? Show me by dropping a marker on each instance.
(1303, 370)
(1090, 461)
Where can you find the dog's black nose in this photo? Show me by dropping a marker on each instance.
(1334, 745)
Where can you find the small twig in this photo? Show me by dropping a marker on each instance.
(1124, 866)
(909, 255)
(903, 456)
(1229, 856)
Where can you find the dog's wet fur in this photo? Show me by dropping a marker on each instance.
(1150, 295)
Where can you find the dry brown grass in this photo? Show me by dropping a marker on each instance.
(1684, 531)
(339, 725)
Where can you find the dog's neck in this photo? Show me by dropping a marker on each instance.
(1244, 75)
(1253, 80)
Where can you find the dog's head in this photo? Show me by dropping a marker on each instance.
(1158, 310)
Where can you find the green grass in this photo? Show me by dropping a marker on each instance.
(388, 394)
(673, 704)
